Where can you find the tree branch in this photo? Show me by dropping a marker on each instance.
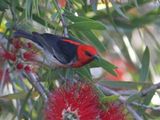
(62, 18)
(146, 107)
(151, 88)
(38, 86)
(121, 99)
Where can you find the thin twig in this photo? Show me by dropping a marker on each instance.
(146, 107)
(148, 90)
(133, 112)
(62, 19)
(18, 103)
(122, 99)
(64, 25)
(2, 81)
(21, 82)
(38, 86)
(127, 92)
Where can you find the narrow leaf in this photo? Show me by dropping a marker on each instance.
(19, 95)
(93, 38)
(3, 5)
(133, 98)
(145, 65)
(149, 97)
(77, 18)
(106, 65)
(94, 25)
(122, 84)
(109, 99)
(1, 17)
(28, 8)
(38, 19)
(118, 9)
(84, 72)
(42, 21)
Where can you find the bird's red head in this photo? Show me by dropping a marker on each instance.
(85, 54)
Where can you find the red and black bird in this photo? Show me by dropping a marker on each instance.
(61, 51)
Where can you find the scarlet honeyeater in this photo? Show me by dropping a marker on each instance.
(61, 51)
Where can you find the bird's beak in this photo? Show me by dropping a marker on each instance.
(96, 57)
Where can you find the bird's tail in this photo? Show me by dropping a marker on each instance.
(24, 34)
(34, 36)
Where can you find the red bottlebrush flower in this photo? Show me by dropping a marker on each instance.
(29, 45)
(27, 69)
(29, 55)
(75, 103)
(9, 56)
(114, 112)
(17, 43)
(19, 66)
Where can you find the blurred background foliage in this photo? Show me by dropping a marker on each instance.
(125, 32)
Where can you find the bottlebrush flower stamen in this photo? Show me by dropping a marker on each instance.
(27, 69)
(113, 112)
(9, 56)
(29, 45)
(19, 66)
(75, 103)
(17, 43)
(29, 55)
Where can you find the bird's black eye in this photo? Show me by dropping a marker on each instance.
(88, 54)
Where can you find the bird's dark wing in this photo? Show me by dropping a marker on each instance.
(65, 52)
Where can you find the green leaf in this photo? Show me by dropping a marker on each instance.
(79, 1)
(122, 84)
(36, 2)
(42, 21)
(138, 96)
(3, 5)
(141, 21)
(146, 100)
(105, 65)
(19, 95)
(6, 106)
(118, 9)
(84, 72)
(38, 19)
(149, 97)
(77, 18)
(28, 8)
(92, 37)
(69, 74)
(85, 25)
(22, 109)
(109, 99)
(1, 17)
(145, 65)
(133, 98)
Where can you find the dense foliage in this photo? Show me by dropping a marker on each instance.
(126, 76)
